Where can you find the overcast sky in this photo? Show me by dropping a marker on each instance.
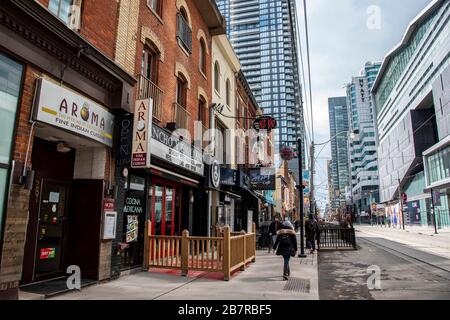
(340, 44)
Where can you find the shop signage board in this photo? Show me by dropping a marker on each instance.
(125, 133)
(265, 123)
(228, 177)
(65, 109)
(171, 149)
(215, 174)
(143, 113)
(262, 179)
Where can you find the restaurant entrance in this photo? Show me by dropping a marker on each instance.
(166, 207)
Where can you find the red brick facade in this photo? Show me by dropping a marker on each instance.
(165, 28)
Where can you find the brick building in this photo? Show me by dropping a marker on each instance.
(60, 91)
(168, 49)
(71, 80)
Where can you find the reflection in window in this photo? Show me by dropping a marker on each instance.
(10, 82)
(61, 9)
(169, 206)
(158, 208)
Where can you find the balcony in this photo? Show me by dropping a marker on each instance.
(181, 117)
(147, 89)
(184, 33)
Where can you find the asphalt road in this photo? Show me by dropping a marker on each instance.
(406, 273)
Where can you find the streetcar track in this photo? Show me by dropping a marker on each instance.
(409, 257)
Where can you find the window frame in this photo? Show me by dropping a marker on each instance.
(217, 77)
(202, 56)
(182, 84)
(159, 7)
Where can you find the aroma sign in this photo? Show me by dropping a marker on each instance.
(68, 110)
(141, 134)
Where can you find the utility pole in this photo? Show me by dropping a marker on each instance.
(300, 190)
(434, 212)
(312, 166)
(400, 196)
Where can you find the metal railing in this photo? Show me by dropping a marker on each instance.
(184, 32)
(147, 89)
(181, 116)
(336, 237)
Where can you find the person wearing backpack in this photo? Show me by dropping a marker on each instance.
(311, 232)
(286, 246)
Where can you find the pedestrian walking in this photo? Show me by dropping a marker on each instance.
(273, 228)
(286, 246)
(311, 233)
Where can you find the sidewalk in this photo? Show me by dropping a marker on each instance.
(261, 280)
(418, 238)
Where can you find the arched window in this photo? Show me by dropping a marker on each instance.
(228, 92)
(184, 14)
(217, 77)
(184, 31)
(202, 56)
(181, 90)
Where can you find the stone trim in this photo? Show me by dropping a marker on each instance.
(148, 34)
(182, 3)
(180, 68)
(202, 92)
(201, 34)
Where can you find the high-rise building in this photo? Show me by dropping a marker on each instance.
(264, 36)
(412, 109)
(339, 128)
(362, 146)
(330, 183)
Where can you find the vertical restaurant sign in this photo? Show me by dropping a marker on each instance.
(125, 133)
(66, 109)
(143, 113)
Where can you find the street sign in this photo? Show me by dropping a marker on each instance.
(264, 123)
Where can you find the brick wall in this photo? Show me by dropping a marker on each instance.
(98, 22)
(163, 31)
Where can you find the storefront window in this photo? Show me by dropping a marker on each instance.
(3, 183)
(169, 204)
(10, 82)
(438, 166)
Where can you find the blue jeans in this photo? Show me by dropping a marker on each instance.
(286, 270)
(311, 244)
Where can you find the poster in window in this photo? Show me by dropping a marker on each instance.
(132, 228)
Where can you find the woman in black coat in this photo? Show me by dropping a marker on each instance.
(286, 246)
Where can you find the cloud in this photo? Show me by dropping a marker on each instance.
(341, 43)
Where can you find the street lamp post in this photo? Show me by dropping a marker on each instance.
(300, 189)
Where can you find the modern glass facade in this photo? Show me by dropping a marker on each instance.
(438, 166)
(339, 128)
(10, 85)
(362, 148)
(263, 34)
(404, 98)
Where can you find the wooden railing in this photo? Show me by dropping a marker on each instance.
(224, 253)
(147, 89)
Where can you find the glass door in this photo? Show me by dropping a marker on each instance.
(52, 216)
(166, 208)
